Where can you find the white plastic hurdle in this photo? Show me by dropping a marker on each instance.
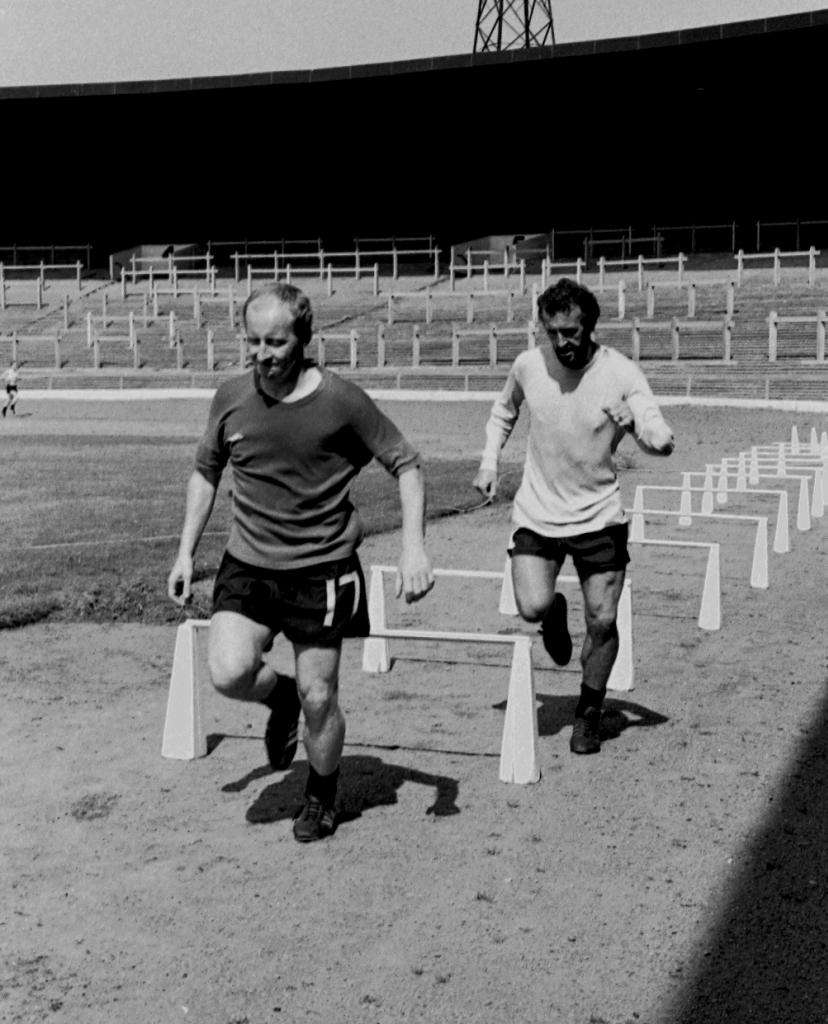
(782, 462)
(747, 473)
(185, 739)
(710, 610)
(376, 656)
(781, 534)
(759, 563)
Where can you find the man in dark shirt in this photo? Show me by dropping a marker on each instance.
(295, 436)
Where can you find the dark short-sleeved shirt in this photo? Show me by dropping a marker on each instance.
(292, 465)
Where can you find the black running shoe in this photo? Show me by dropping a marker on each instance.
(586, 736)
(315, 821)
(555, 632)
(282, 730)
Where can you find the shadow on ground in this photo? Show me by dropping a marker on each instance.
(365, 782)
(766, 959)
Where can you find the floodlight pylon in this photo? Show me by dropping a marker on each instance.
(513, 25)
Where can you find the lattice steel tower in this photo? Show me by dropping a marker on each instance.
(513, 25)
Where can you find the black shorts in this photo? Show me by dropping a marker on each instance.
(318, 605)
(602, 551)
(11, 389)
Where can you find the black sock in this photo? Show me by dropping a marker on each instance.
(323, 787)
(589, 698)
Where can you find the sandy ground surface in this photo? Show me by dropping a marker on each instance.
(678, 876)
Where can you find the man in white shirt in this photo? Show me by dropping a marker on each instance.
(582, 398)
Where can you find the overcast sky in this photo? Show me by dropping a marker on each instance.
(60, 41)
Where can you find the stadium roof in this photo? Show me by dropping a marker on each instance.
(706, 34)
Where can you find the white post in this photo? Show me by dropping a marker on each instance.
(674, 337)
(636, 339)
(415, 346)
(776, 266)
(820, 352)
(579, 267)
(380, 344)
(811, 266)
(773, 335)
(650, 300)
(740, 263)
(211, 351)
(602, 266)
(691, 299)
(730, 300)
(492, 345)
(682, 259)
(622, 300)
(485, 275)
(641, 273)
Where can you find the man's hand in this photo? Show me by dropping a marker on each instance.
(179, 582)
(621, 415)
(414, 576)
(486, 482)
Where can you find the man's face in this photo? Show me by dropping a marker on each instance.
(271, 340)
(570, 341)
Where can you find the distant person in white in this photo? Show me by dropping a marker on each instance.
(12, 381)
(582, 398)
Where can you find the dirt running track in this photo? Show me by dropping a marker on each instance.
(679, 877)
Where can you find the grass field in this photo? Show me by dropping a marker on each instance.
(91, 524)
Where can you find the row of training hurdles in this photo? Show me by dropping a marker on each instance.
(802, 465)
(184, 736)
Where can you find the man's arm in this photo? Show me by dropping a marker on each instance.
(414, 576)
(638, 413)
(501, 422)
(201, 495)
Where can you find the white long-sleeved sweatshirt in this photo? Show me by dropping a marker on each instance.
(569, 484)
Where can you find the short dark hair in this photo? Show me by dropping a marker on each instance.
(561, 297)
(295, 299)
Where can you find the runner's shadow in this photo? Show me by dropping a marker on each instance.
(364, 782)
(556, 713)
